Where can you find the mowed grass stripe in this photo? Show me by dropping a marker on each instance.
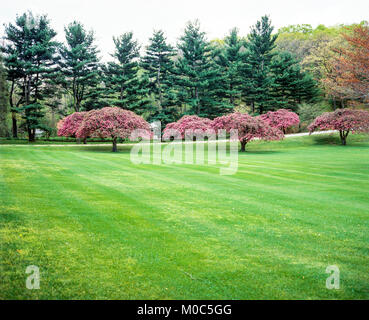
(245, 239)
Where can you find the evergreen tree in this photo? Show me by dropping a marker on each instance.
(79, 63)
(290, 85)
(3, 101)
(198, 80)
(124, 86)
(229, 58)
(158, 64)
(257, 65)
(30, 57)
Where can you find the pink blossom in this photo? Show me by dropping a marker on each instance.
(68, 126)
(186, 126)
(281, 119)
(248, 127)
(113, 122)
(343, 120)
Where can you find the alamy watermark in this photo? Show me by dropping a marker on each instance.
(33, 280)
(187, 148)
(333, 281)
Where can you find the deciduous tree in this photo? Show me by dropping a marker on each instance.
(350, 68)
(248, 128)
(344, 121)
(281, 119)
(187, 124)
(68, 126)
(111, 122)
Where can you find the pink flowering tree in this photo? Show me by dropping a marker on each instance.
(248, 128)
(114, 123)
(68, 126)
(281, 119)
(187, 126)
(344, 121)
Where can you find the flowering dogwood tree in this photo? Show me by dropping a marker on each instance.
(281, 119)
(113, 122)
(248, 128)
(187, 124)
(343, 120)
(68, 126)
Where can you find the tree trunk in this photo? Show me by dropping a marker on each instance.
(85, 141)
(231, 97)
(31, 135)
(334, 104)
(243, 146)
(159, 88)
(343, 136)
(14, 127)
(253, 107)
(115, 149)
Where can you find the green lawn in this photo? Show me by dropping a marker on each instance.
(101, 227)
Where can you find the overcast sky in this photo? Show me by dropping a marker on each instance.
(217, 17)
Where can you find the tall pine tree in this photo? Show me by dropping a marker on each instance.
(4, 110)
(257, 62)
(290, 86)
(198, 80)
(124, 86)
(229, 57)
(30, 57)
(79, 63)
(158, 64)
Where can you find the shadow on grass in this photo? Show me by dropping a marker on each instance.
(105, 149)
(324, 140)
(352, 140)
(258, 152)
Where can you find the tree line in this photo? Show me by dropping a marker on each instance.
(197, 76)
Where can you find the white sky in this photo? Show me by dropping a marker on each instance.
(217, 17)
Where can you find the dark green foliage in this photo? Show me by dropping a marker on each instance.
(125, 85)
(198, 80)
(229, 58)
(4, 109)
(257, 60)
(30, 57)
(158, 65)
(290, 86)
(79, 63)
